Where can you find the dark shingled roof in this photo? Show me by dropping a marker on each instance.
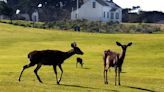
(114, 4)
(102, 2)
(108, 3)
(113, 9)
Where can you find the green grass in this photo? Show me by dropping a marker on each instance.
(143, 66)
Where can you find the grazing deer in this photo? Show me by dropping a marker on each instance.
(80, 61)
(50, 57)
(114, 59)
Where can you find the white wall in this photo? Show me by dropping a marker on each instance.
(95, 14)
(87, 11)
(119, 11)
(106, 18)
(35, 16)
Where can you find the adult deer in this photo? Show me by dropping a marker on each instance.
(114, 59)
(50, 57)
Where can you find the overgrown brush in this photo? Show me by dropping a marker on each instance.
(90, 26)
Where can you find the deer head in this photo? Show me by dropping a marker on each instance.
(76, 49)
(124, 46)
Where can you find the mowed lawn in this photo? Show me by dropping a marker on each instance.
(143, 68)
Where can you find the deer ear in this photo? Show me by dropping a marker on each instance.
(129, 44)
(118, 43)
(73, 44)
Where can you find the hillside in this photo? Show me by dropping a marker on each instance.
(143, 67)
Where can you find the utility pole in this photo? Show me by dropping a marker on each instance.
(77, 11)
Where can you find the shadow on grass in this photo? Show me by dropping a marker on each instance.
(78, 86)
(143, 89)
(86, 68)
(123, 72)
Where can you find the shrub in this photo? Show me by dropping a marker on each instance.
(90, 26)
(145, 28)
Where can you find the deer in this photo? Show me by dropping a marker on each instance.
(50, 57)
(80, 61)
(114, 59)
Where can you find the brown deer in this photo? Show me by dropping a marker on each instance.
(80, 61)
(114, 59)
(50, 57)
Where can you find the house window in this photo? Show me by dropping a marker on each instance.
(107, 14)
(76, 16)
(104, 14)
(112, 15)
(94, 4)
(117, 15)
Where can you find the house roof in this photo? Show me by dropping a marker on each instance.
(113, 9)
(102, 2)
(109, 3)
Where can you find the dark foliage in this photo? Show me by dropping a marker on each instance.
(51, 9)
(6, 10)
(142, 16)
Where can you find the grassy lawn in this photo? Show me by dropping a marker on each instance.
(143, 67)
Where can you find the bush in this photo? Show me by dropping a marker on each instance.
(90, 26)
(144, 28)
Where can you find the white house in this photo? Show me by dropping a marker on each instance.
(35, 16)
(98, 10)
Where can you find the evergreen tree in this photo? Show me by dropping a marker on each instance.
(6, 10)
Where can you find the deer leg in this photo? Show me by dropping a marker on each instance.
(76, 64)
(82, 65)
(54, 67)
(106, 67)
(120, 68)
(115, 75)
(119, 71)
(36, 72)
(24, 67)
(105, 74)
(105, 77)
(61, 73)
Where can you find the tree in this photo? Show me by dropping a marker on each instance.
(51, 10)
(6, 10)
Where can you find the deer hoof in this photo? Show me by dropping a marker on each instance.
(40, 81)
(106, 82)
(58, 83)
(59, 80)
